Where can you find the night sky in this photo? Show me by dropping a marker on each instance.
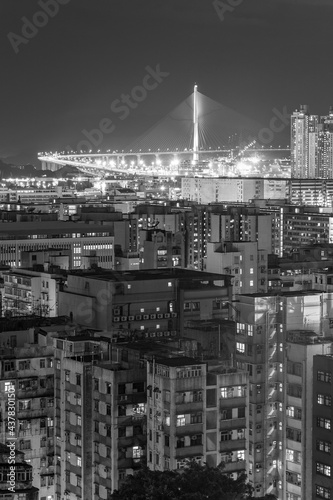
(264, 54)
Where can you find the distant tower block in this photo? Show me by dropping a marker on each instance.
(195, 125)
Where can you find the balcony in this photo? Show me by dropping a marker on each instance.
(37, 413)
(189, 451)
(137, 397)
(232, 402)
(234, 466)
(189, 407)
(128, 420)
(124, 442)
(189, 429)
(129, 463)
(293, 488)
(235, 423)
(46, 471)
(35, 392)
(232, 445)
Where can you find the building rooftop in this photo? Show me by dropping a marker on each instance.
(179, 361)
(306, 337)
(281, 294)
(53, 227)
(150, 274)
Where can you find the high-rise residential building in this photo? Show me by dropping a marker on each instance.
(242, 260)
(100, 418)
(27, 371)
(322, 467)
(196, 411)
(325, 146)
(300, 142)
(30, 292)
(161, 249)
(311, 144)
(263, 323)
(297, 388)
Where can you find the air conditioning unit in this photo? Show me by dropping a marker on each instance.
(153, 316)
(167, 334)
(174, 333)
(160, 316)
(167, 315)
(116, 312)
(152, 334)
(116, 320)
(160, 334)
(138, 317)
(130, 318)
(124, 318)
(173, 315)
(123, 397)
(146, 316)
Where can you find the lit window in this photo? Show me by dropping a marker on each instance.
(251, 282)
(324, 399)
(78, 461)
(324, 446)
(324, 376)
(9, 387)
(325, 423)
(323, 492)
(169, 283)
(180, 420)
(137, 451)
(251, 270)
(240, 348)
(323, 469)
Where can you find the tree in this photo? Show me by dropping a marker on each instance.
(195, 482)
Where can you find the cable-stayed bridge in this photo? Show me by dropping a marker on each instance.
(195, 131)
